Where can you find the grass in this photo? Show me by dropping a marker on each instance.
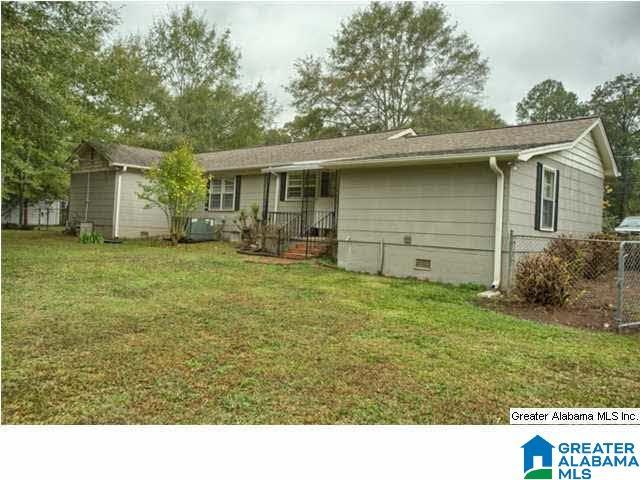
(144, 333)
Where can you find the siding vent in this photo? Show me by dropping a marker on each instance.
(407, 239)
(144, 234)
(423, 264)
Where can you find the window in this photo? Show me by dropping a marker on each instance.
(548, 199)
(327, 184)
(222, 193)
(295, 185)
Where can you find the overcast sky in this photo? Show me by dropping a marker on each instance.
(581, 44)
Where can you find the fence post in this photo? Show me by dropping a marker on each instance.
(510, 258)
(620, 287)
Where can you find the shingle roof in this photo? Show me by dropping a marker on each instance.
(284, 154)
(372, 145)
(518, 137)
(125, 154)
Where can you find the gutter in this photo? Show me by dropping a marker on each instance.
(428, 159)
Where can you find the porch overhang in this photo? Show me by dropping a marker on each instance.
(296, 167)
(338, 163)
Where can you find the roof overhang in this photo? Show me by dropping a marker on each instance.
(600, 139)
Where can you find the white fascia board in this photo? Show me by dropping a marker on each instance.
(124, 166)
(601, 141)
(525, 155)
(404, 133)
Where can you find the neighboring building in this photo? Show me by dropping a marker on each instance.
(401, 204)
(36, 214)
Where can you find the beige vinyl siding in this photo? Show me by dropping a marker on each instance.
(100, 209)
(580, 193)
(583, 156)
(134, 218)
(448, 211)
(251, 191)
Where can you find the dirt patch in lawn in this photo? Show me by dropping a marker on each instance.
(592, 305)
(572, 315)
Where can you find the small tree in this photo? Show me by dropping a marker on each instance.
(177, 186)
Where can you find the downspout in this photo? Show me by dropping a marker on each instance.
(87, 197)
(277, 196)
(116, 203)
(497, 243)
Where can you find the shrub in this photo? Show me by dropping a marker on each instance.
(600, 257)
(564, 247)
(543, 279)
(93, 237)
(590, 258)
(251, 228)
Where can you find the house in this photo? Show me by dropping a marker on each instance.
(400, 204)
(43, 213)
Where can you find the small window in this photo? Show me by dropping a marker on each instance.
(295, 185)
(548, 199)
(222, 193)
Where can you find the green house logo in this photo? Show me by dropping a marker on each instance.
(538, 459)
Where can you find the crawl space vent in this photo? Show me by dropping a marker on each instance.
(423, 264)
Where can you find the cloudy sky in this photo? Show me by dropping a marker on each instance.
(581, 44)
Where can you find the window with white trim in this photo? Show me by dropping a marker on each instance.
(222, 192)
(548, 198)
(295, 186)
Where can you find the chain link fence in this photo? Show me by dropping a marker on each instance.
(628, 301)
(603, 273)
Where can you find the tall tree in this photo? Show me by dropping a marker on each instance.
(384, 60)
(200, 70)
(435, 115)
(49, 58)
(617, 102)
(130, 95)
(548, 101)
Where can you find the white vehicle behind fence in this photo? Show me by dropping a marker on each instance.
(629, 225)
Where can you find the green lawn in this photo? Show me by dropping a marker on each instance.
(143, 333)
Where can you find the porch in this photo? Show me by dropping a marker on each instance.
(304, 211)
(304, 234)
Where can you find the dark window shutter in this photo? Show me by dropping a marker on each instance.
(208, 199)
(283, 186)
(555, 213)
(538, 196)
(237, 199)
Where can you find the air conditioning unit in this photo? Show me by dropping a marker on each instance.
(201, 230)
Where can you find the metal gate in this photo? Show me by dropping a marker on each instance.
(628, 285)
